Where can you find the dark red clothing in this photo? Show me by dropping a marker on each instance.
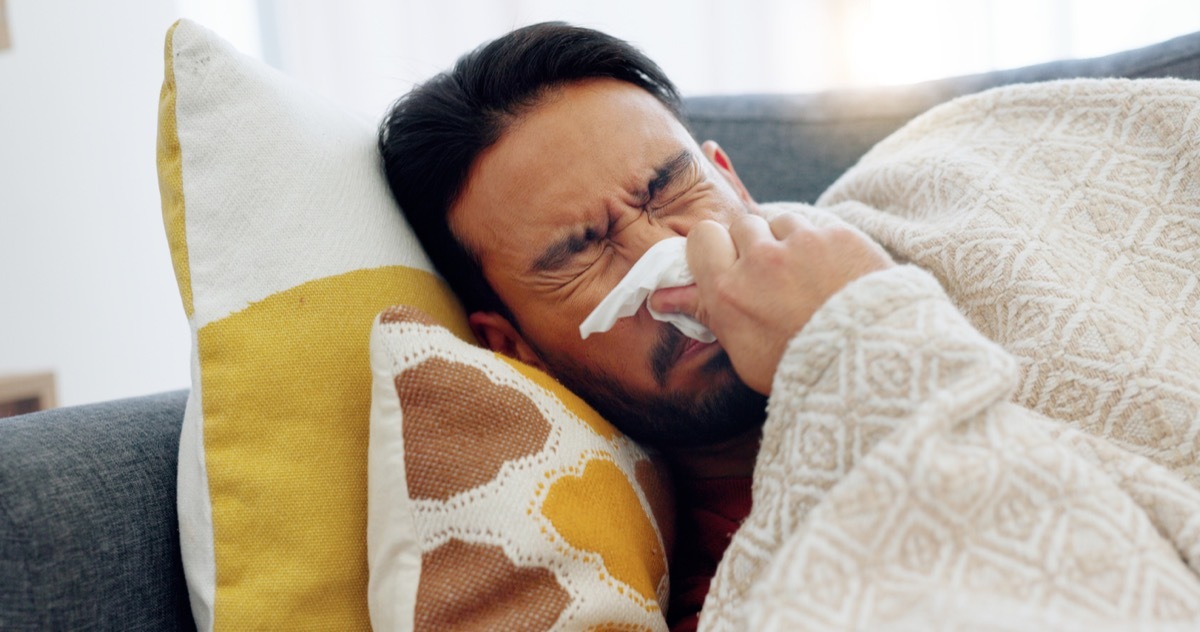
(709, 512)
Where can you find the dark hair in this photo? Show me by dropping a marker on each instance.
(431, 136)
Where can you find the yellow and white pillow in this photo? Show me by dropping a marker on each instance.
(286, 244)
(500, 501)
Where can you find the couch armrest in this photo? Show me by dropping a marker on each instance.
(792, 147)
(88, 532)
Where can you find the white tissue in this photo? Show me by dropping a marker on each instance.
(663, 265)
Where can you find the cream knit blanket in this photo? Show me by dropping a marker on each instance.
(1003, 435)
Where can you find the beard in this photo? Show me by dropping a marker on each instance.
(668, 420)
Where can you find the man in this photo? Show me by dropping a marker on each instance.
(545, 164)
(540, 169)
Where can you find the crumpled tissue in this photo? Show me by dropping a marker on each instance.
(663, 265)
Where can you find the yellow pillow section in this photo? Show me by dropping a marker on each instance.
(170, 179)
(286, 243)
(499, 500)
(287, 396)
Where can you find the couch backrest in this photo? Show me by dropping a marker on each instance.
(792, 147)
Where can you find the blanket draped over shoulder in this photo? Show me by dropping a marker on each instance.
(1004, 433)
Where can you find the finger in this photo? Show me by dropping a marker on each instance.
(710, 250)
(676, 300)
(786, 224)
(748, 230)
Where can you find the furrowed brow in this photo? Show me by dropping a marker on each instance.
(559, 253)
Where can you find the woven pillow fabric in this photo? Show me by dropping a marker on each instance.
(498, 500)
(286, 243)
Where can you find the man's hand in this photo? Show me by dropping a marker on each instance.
(759, 283)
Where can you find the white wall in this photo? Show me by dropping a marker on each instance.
(86, 286)
(365, 53)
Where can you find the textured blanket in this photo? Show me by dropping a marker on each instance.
(1003, 434)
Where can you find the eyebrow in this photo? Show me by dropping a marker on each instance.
(557, 254)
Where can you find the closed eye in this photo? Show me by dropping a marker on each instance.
(667, 174)
(560, 253)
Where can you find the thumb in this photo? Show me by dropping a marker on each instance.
(676, 300)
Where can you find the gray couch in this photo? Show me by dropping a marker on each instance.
(88, 533)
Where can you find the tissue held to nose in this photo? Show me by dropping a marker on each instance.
(663, 265)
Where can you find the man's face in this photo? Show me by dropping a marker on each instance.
(558, 210)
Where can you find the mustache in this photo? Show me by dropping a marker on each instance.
(666, 350)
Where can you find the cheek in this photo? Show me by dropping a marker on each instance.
(732, 206)
(722, 204)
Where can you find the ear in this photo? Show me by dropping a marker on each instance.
(494, 332)
(718, 157)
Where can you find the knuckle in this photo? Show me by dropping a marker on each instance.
(841, 232)
(770, 255)
(726, 291)
(744, 221)
(845, 236)
(697, 230)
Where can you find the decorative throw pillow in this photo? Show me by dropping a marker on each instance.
(286, 244)
(500, 501)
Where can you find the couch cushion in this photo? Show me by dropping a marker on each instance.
(88, 535)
